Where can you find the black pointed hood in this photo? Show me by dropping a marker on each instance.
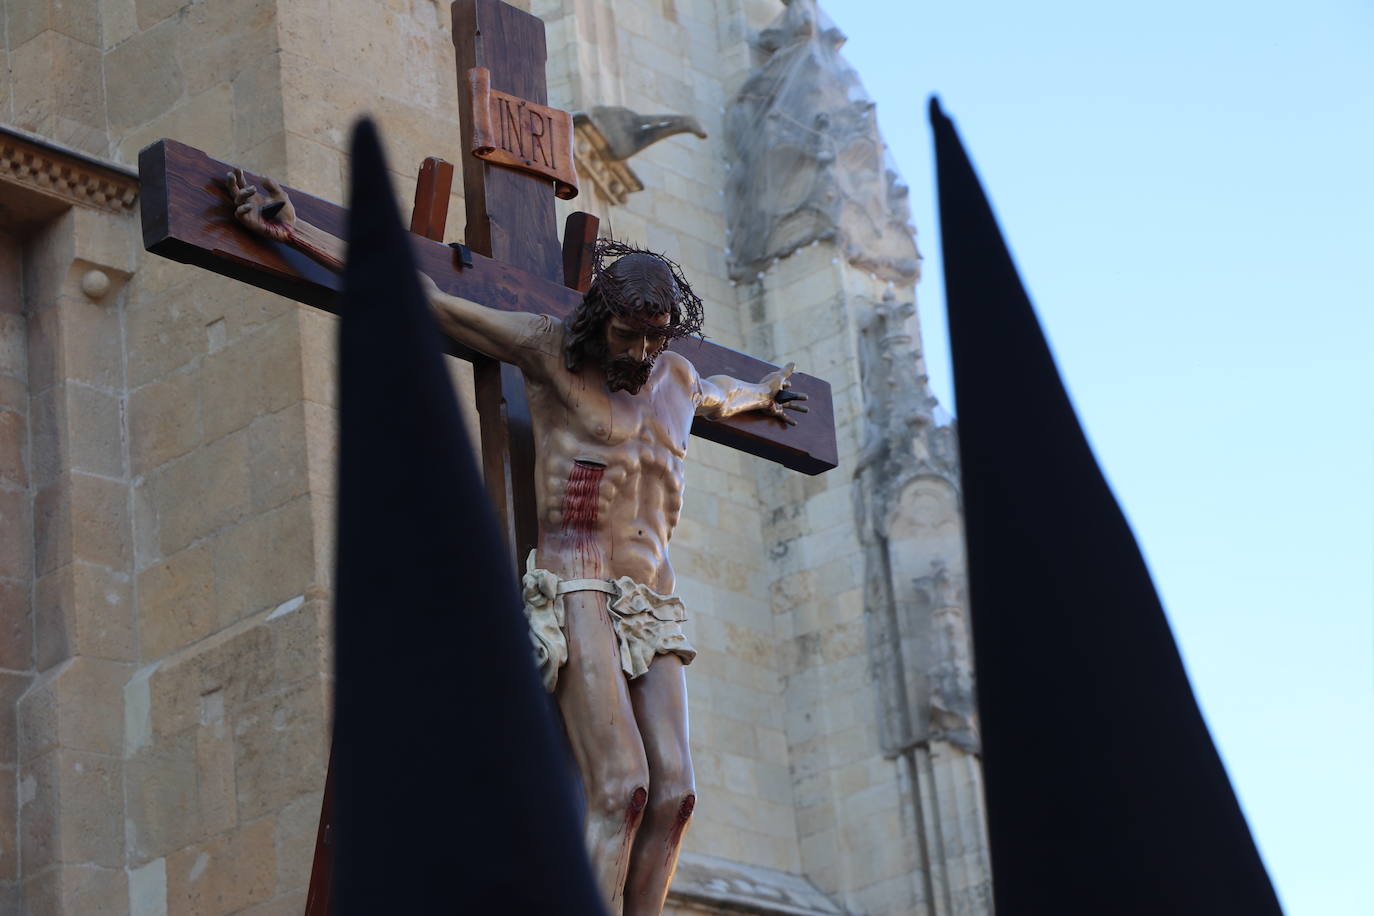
(1104, 791)
(452, 793)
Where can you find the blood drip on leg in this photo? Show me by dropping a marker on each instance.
(684, 816)
(635, 811)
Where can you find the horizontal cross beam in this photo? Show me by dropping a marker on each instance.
(187, 217)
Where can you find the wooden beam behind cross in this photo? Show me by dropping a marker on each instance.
(515, 264)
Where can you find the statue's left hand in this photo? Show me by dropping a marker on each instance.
(780, 399)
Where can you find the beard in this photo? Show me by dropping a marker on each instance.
(626, 374)
(622, 373)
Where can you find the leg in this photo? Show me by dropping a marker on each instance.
(660, 706)
(595, 705)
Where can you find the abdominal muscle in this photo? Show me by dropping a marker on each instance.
(609, 477)
(602, 520)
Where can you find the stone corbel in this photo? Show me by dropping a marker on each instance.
(605, 137)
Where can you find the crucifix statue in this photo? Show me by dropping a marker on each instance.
(586, 395)
(612, 408)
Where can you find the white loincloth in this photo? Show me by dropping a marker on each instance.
(646, 623)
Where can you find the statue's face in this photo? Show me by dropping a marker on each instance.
(631, 348)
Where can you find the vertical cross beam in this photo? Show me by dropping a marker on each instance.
(510, 217)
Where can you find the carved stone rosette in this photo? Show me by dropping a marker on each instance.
(810, 164)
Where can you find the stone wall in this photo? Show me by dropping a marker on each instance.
(171, 743)
(16, 557)
(167, 456)
(888, 810)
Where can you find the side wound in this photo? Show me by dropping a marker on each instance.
(581, 498)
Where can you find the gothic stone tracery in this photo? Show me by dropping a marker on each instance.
(811, 163)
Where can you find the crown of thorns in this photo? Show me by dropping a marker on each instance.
(623, 292)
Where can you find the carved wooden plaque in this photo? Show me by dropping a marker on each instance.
(523, 135)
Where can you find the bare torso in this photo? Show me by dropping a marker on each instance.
(609, 468)
(612, 514)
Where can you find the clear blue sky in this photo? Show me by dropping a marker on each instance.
(1188, 189)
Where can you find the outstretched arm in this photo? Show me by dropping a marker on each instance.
(524, 339)
(514, 337)
(722, 396)
(269, 213)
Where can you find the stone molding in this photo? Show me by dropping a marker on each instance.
(718, 885)
(75, 178)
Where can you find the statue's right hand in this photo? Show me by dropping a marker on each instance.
(250, 204)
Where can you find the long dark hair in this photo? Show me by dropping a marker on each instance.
(634, 286)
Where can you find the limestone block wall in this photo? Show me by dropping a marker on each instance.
(858, 841)
(167, 452)
(886, 825)
(171, 742)
(106, 78)
(16, 562)
(225, 733)
(940, 757)
(70, 774)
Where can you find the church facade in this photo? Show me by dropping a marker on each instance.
(167, 449)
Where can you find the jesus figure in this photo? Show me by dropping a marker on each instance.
(612, 408)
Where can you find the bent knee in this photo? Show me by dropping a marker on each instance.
(675, 804)
(624, 796)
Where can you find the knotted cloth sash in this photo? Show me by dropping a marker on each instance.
(646, 623)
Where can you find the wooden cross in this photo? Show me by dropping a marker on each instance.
(512, 262)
